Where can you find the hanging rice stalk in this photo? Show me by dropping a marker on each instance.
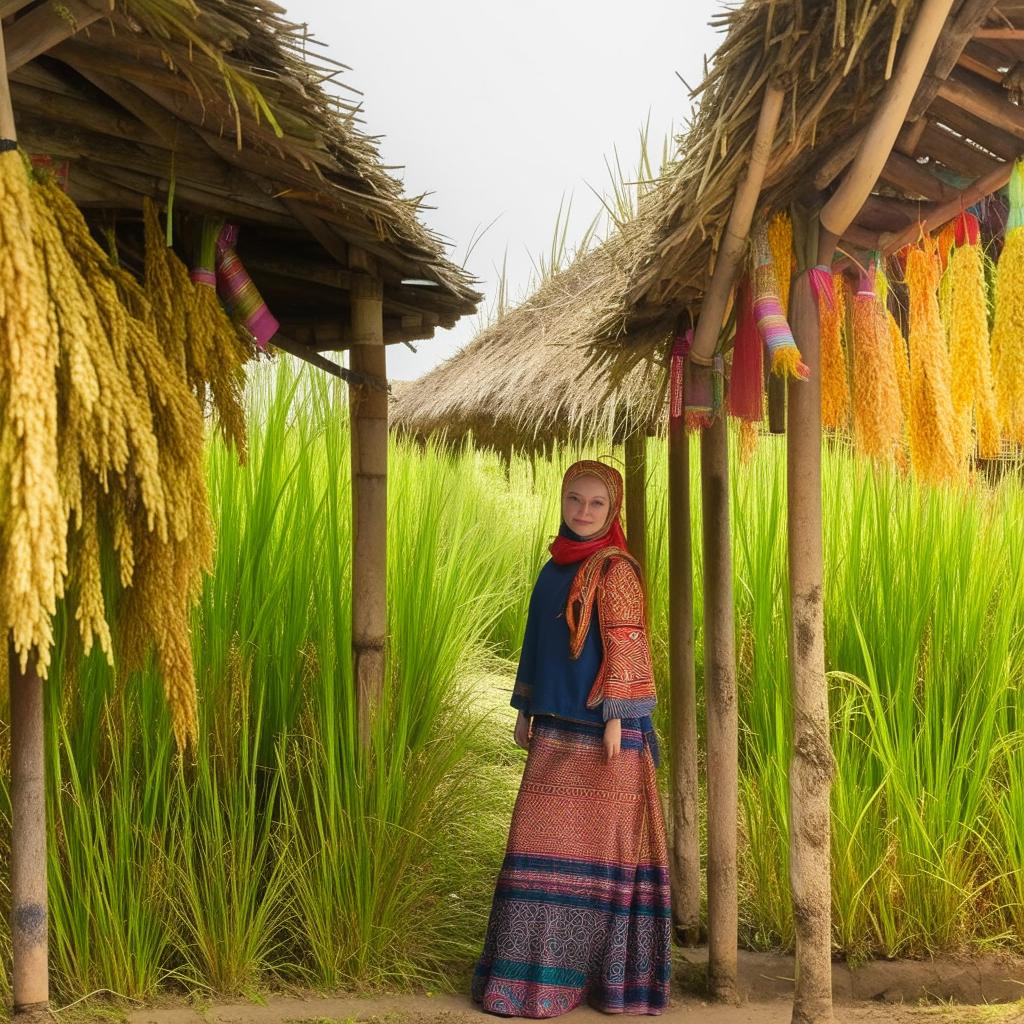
(877, 415)
(835, 385)
(33, 553)
(967, 329)
(780, 241)
(933, 448)
(1008, 329)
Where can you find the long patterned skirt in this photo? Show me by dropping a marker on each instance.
(581, 910)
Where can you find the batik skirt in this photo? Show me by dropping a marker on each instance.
(581, 910)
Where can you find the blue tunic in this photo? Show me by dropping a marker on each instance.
(548, 680)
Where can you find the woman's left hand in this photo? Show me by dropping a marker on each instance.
(612, 738)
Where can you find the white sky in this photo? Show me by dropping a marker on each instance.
(499, 109)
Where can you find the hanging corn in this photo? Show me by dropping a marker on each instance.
(933, 449)
(877, 416)
(1008, 329)
(771, 321)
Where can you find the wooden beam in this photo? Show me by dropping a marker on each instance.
(995, 140)
(293, 348)
(914, 179)
(862, 238)
(909, 138)
(981, 68)
(863, 173)
(1000, 32)
(330, 275)
(984, 101)
(944, 213)
(9, 7)
(47, 26)
(882, 213)
(954, 153)
(734, 239)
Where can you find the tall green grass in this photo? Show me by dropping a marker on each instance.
(281, 853)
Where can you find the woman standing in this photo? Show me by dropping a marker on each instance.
(581, 909)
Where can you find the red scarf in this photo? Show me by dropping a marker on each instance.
(565, 550)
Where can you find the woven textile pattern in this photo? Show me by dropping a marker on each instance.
(581, 910)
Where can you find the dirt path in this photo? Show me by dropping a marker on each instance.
(458, 1010)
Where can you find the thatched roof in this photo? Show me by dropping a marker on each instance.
(525, 381)
(222, 100)
(832, 60)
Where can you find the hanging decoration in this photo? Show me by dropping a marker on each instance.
(785, 359)
(746, 378)
(780, 242)
(1008, 329)
(933, 448)
(835, 384)
(877, 415)
(239, 292)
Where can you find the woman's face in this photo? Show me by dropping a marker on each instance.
(585, 506)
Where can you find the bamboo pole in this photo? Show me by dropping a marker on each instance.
(685, 796)
(368, 411)
(846, 201)
(29, 938)
(721, 711)
(734, 240)
(636, 497)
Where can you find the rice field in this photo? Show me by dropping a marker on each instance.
(277, 855)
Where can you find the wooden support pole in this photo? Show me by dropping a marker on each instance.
(775, 387)
(722, 715)
(811, 766)
(368, 412)
(684, 862)
(29, 939)
(734, 240)
(988, 102)
(878, 141)
(636, 497)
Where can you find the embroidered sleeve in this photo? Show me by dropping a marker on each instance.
(521, 694)
(624, 686)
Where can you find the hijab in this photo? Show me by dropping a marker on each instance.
(567, 548)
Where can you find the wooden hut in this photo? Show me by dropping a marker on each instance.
(873, 124)
(527, 381)
(218, 108)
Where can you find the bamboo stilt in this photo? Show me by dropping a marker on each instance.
(368, 411)
(636, 498)
(722, 715)
(811, 766)
(30, 980)
(29, 909)
(684, 859)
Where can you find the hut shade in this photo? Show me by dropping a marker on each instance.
(834, 73)
(225, 99)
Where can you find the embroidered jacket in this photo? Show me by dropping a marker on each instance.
(624, 686)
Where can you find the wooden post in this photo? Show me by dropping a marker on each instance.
(722, 715)
(368, 412)
(685, 855)
(28, 843)
(636, 497)
(811, 766)
(30, 981)
(776, 388)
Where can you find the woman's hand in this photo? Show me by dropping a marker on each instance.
(612, 738)
(522, 731)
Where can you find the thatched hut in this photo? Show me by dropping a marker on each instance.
(218, 109)
(872, 123)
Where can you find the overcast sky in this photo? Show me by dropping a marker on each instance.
(499, 108)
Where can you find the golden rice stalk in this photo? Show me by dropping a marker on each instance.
(933, 449)
(780, 241)
(33, 541)
(877, 415)
(87, 577)
(835, 384)
(970, 354)
(900, 363)
(1008, 336)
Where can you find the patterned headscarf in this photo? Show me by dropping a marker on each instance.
(564, 550)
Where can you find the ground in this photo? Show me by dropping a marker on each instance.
(458, 1010)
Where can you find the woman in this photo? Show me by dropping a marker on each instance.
(581, 908)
